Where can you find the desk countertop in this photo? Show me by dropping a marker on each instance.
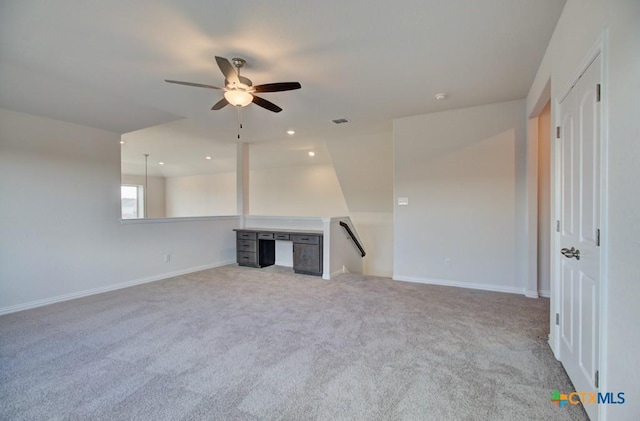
(283, 231)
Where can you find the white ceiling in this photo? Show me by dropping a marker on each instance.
(103, 63)
(183, 145)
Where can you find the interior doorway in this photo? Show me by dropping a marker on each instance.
(544, 202)
(539, 225)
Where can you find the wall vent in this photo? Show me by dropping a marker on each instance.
(340, 121)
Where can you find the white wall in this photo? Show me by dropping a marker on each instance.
(375, 230)
(201, 195)
(364, 167)
(187, 196)
(578, 30)
(463, 173)
(344, 256)
(309, 190)
(155, 193)
(350, 175)
(60, 229)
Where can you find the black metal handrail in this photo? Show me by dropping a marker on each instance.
(353, 237)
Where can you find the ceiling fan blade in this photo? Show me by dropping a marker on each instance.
(220, 104)
(245, 80)
(227, 70)
(197, 85)
(278, 87)
(266, 104)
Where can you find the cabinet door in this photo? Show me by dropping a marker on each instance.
(307, 258)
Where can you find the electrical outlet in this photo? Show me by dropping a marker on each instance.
(167, 258)
(448, 262)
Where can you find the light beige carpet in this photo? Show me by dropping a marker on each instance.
(237, 343)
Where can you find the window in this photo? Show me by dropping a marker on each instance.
(132, 201)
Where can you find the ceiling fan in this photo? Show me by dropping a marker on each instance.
(239, 90)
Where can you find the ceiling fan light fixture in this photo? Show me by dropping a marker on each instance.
(237, 97)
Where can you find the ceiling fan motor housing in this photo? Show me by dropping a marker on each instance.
(238, 62)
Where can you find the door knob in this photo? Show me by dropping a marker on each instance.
(572, 252)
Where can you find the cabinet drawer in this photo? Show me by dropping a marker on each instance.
(245, 258)
(246, 235)
(265, 236)
(279, 236)
(246, 245)
(305, 239)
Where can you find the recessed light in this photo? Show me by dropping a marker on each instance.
(160, 163)
(122, 142)
(291, 132)
(440, 96)
(207, 157)
(312, 153)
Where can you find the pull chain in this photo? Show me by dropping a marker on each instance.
(239, 122)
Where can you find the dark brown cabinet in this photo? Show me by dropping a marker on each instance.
(256, 248)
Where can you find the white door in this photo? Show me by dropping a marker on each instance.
(579, 262)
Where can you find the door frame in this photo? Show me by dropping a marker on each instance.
(531, 288)
(598, 49)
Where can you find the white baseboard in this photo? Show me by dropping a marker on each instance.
(335, 273)
(531, 294)
(113, 287)
(545, 293)
(445, 282)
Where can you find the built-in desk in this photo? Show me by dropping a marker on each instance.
(257, 248)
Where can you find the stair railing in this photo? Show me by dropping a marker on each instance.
(353, 237)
